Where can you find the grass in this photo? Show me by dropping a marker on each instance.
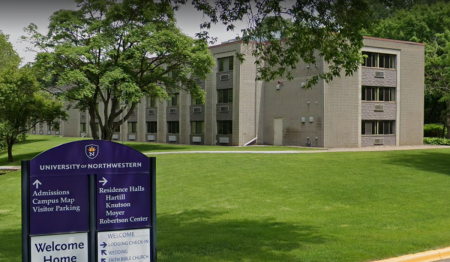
(40, 143)
(357, 206)
(309, 207)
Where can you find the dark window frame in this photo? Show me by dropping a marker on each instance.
(225, 96)
(173, 127)
(225, 127)
(152, 127)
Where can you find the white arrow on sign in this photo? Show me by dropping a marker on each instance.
(37, 183)
(104, 181)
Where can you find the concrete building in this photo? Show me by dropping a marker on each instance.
(382, 103)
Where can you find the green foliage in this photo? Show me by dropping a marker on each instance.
(433, 130)
(283, 33)
(8, 56)
(430, 24)
(436, 141)
(23, 104)
(117, 52)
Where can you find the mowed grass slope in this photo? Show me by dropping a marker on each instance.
(35, 144)
(307, 207)
(357, 206)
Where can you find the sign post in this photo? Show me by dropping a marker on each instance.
(89, 200)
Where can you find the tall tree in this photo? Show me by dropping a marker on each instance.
(8, 56)
(116, 52)
(430, 24)
(23, 105)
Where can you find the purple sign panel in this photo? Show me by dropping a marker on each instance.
(123, 201)
(89, 157)
(59, 205)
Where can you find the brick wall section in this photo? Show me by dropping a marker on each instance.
(211, 87)
(221, 116)
(149, 117)
(369, 79)
(172, 116)
(410, 93)
(140, 119)
(224, 84)
(369, 113)
(185, 124)
(197, 116)
(210, 109)
(342, 112)
(249, 99)
(162, 122)
(370, 140)
(290, 103)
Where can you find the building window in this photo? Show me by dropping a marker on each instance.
(152, 127)
(174, 100)
(173, 127)
(197, 127)
(225, 95)
(224, 127)
(371, 93)
(196, 101)
(379, 60)
(371, 127)
(151, 102)
(132, 127)
(117, 129)
(83, 127)
(225, 64)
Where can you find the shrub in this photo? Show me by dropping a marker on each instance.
(436, 141)
(433, 130)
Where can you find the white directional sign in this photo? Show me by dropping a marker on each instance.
(58, 248)
(126, 245)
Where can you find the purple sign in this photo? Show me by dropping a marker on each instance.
(59, 205)
(89, 157)
(123, 201)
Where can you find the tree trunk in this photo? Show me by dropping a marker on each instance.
(92, 124)
(107, 132)
(10, 144)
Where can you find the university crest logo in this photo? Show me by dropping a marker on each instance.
(91, 151)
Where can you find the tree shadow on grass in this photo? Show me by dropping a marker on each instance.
(430, 161)
(204, 236)
(11, 245)
(17, 158)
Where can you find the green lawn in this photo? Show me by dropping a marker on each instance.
(357, 206)
(36, 144)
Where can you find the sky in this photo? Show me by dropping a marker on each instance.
(17, 14)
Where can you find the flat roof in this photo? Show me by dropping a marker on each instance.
(365, 37)
(392, 40)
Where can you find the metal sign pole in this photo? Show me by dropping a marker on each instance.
(25, 210)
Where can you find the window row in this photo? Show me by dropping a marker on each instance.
(372, 127)
(370, 93)
(173, 127)
(379, 60)
(223, 96)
